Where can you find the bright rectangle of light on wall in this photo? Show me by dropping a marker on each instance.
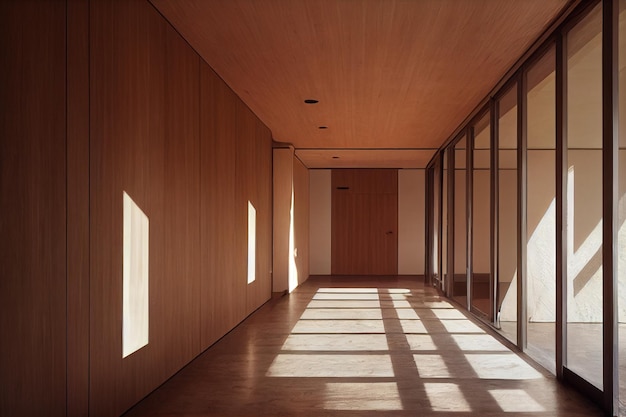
(251, 243)
(135, 316)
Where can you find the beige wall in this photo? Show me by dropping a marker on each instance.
(411, 222)
(320, 221)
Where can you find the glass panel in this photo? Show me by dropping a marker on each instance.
(541, 211)
(621, 237)
(436, 222)
(481, 219)
(459, 289)
(507, 214)
(584, 198)
(444, 222)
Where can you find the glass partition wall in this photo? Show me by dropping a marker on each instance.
(621, 202)
(530, 205)
(507, 213)
(540, 230)
(584, 197)
(481, 279)
(459, 208)
(435, 227)
(444, 223)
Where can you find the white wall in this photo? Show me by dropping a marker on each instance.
(319, 221)
(411, 236)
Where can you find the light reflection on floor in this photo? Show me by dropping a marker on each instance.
(336, 342)
(331, 366)
(346, 335)
(516, 400)
(446, 396)
(381, 396)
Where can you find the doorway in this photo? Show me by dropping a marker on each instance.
(364, 220)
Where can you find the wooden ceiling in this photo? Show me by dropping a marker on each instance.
(388, 74)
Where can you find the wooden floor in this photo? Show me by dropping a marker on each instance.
(362, 347)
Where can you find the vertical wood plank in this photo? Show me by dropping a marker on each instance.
(247, 191)
(144, 141)
(262, 176)
(223, 278)
(33, 208)
(77, 207)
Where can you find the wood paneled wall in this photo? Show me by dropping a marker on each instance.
(144, 115)
(77, 207)
(98, 98)
(235, 168)
(33, 208)
(168, 131)
(221, 228)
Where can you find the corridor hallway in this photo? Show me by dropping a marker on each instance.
(361, 347)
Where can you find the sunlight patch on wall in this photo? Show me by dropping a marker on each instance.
(293, 251)
(251, 243)
(135, 290)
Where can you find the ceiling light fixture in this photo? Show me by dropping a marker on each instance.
(311, 101)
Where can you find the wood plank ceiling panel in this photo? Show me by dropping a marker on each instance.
(387, 73)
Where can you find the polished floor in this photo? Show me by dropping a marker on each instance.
(362, 347)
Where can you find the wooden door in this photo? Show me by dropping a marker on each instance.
(364, 222)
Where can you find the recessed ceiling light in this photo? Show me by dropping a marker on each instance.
(323, 127)
(311, 101)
